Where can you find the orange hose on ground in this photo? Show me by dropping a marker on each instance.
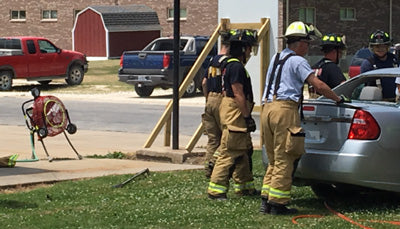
(294, 219)
(304, 216)
(345, 218)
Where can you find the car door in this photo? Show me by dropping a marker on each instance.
(52, 62)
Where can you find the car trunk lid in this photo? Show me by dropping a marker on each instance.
(326, 125)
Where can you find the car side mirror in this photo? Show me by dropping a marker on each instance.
(59, 51)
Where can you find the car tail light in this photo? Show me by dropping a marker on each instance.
(166, 60)
(308, 108)
(121, 60)
(364, 126)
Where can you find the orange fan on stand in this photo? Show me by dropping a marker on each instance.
(46, 116)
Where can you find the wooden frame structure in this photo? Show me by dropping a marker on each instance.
(224, 25)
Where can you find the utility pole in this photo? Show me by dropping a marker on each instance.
(175, 112)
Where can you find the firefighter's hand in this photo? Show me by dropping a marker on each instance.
(250, 123)
(344, 99)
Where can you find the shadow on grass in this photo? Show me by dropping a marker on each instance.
(14, 204)
(351, 202)
(50, 87)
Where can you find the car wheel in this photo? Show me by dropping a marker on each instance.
(6, 81)
(75, 75)
(44, 82)
(191, 90)
(143, 91)
(42, 132)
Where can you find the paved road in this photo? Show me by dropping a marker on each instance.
(119, 112)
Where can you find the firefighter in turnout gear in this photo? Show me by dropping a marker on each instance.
(327, 68)
(212, 89)
(236, 121)
(379, 43)
(280, 120)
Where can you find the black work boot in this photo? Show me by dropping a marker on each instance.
(265, 206)
(221, 196)
(281, 209)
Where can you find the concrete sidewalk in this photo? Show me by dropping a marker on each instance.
(16, 140)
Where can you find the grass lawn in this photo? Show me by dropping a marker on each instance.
(174, 200)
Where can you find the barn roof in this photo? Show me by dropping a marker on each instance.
(126, 18)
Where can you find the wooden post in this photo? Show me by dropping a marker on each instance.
(195, 68)
(263, 38)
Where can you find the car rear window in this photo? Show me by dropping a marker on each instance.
(165, 45)
(10, 43)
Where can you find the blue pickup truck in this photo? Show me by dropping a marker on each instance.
(153, 66)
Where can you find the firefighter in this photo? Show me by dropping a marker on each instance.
(280, 119)
(327, 69)
(236, 121)
(212, 89)
(379, 43)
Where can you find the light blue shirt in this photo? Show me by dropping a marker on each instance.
(294, 73)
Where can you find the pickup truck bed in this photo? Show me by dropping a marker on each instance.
(153, 66)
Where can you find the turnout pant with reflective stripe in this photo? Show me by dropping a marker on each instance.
(233, 158)
(284, 142)
(212, 125)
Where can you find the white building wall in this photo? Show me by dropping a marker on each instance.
(239, 11)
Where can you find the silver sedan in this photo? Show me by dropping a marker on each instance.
(354, 146)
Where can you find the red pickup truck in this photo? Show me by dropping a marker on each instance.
(38, 59)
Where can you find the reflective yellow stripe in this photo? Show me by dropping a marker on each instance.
(278, 193)
(233, 59)
(246, 186)
(12, 160)
(249, 185)
(265, 189)
(238, 187)
(217, 188)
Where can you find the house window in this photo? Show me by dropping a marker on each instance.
(50, 15)
(307, 15)
(18, 15)
(183, 14)
(347, 14)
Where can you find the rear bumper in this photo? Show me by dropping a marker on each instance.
(360, 163)
(148, 78)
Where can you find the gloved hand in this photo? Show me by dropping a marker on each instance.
(250, 123)
(343, 99)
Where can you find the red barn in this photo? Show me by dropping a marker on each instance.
(107, 31)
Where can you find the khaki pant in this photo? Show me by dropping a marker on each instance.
(212, 125)
(284, 142)
(233, 159)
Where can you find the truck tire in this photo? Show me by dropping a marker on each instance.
(6, 78)
(143, 91)
(75, 75)
(191, 90)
